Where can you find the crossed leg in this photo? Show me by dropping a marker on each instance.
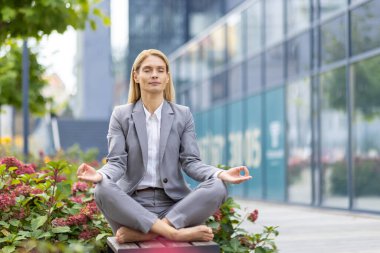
(180, 224)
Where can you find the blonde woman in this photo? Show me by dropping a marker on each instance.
(141, 190)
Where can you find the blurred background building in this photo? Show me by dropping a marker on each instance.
(290, 88)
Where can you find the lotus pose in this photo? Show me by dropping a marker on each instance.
(141, 189)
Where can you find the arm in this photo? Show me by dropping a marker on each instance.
(193, 166)
(117, 157)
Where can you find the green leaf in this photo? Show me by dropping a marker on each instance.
(62, 237)
(38, 222)
(14, 222)
(260, 250)
(100, 236)
(8, 13)
(8, 249)
(63, 191)
(24, 233)
(4, 224)
(63, 229)
(15, 181)
(93, 24)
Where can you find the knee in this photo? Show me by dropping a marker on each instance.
(100, 191)
(219, 189)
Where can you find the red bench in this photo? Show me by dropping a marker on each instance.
(161, 246)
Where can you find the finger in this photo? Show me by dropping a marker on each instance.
(245, 169)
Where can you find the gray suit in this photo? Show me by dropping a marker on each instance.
(126, 165)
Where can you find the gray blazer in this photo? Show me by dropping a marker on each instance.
(128, 149)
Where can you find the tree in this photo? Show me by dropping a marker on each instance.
(33, 19)
(10, 80)
(36, 18)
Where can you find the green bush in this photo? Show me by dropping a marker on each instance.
(366, 177)
(40, 207)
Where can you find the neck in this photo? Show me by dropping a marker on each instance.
(152, 102)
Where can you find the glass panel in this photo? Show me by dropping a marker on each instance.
(298, 15)
(254, 81)
(275, 144)
(253, 153)
(235, 38)
(235, 81)
(219, 87)
(218, 38)
(365, 32)
(254, 24)
(183, 73)
(274, 21)
(299, 141)
(193, 64)
(366, 128)
(205, 94)
(218, 138)
(194, 97)
(206, 57)
(174, 71)
(334, 138)
(274, 72)
(235, 143)
(333, 40)
(328, 7)
(298, 55)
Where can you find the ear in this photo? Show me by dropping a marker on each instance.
(135, 76)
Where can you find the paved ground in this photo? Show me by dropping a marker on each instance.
(312, 230)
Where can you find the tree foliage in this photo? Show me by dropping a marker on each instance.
(24, 19)
(11, 80)
(35, 18)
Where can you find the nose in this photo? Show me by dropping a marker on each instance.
(154, 73)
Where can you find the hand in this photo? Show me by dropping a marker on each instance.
(87, 173)
(233, 175)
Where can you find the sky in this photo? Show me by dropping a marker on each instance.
(57, 54)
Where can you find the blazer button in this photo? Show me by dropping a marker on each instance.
(165, 180)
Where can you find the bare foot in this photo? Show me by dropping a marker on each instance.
(199, 233)
(125, 234)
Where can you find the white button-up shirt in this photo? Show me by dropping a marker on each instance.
(153, 127)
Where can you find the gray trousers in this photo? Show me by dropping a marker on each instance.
(141, 209)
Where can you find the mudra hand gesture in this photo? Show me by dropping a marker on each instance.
(233, 175)
(87, 173)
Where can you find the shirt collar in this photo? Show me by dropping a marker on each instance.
(157, 112)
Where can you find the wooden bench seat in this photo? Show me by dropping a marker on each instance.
(162, 246)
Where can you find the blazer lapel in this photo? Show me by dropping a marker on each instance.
(139, 119)
(167, 116)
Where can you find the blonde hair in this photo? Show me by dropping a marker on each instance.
(134, 93)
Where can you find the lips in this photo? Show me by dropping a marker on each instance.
(155, 83)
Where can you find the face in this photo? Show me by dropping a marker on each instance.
(152, 75)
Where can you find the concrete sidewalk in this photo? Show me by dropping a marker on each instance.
(309, 230)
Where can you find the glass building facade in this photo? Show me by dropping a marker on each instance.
(290, 88)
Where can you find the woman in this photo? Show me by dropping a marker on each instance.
(141, 190)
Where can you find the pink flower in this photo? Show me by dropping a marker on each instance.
(20, 214)
(90, 209)
(232, 211)
(88, 234)
(11, 162)
(253, 216)
(60, 178)
(58, 222)
(79, 186)
(77, 219)
(25, 169)
(218, 215)
(7, 200)
(77, 199)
